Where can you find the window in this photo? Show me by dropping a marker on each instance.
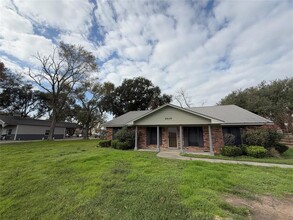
(47, 132)
(193, 136)
(9, 132)
(236, 131)
(152, 135)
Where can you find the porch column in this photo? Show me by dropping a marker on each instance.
(211, 141)
(158, 138)
(181, 142)
(135, 144)
(16, 131)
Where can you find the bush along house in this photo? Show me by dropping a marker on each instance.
(187, 129)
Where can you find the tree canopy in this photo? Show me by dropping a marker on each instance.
(60, 73)
(272, 100)
(87, 109)
(133, 94)
(16, 95)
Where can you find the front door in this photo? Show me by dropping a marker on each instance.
(172, 137)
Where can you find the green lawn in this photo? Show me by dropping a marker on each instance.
(286, 158)
(76, 180)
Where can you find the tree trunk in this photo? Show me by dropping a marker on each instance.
(86, 132)
(52, 126)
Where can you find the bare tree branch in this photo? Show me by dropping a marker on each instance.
(182, 97)
(59, 75)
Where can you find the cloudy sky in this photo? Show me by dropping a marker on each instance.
(208, 48)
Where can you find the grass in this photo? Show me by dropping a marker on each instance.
(76, 180)
(286, 158)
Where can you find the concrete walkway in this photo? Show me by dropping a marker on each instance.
(176, 155)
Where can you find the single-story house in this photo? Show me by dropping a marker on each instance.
(18, 128)
(191, 129)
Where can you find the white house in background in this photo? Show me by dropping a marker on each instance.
(18, 128)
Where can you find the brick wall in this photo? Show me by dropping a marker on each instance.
(217, 138)
(142, 137)
(217, 135)
(109, 133)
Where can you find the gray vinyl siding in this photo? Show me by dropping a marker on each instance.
(37, 136)
(5, 131)
(28, 132)
(27, 129)
(172, 116)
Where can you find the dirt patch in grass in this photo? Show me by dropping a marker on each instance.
(265, 207)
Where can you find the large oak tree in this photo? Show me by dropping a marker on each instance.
(87, 110)
(59, 75)
(133, 94)
(16, 95)
(272, 100)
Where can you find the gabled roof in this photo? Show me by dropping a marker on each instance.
(16, 120)
(176, 107)
(225, 114)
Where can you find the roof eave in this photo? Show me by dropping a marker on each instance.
(247, 123)
(179, 108)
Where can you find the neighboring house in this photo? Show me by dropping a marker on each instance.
(18, 128)
(198, 128)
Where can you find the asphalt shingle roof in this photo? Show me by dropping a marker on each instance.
(124, 119)
(229, 114)
(16, 120)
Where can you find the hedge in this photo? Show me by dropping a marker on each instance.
(104, 143)
(231, 151)
(256, 151)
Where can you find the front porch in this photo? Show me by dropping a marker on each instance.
(185, 138)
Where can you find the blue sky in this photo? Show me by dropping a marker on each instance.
(207, 48)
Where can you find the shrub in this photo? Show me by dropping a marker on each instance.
(281, 148)
(229, 139)
(256, 151)
(231, 151)
(116, 144)
(267, 137)
(243, 148)
(104, 143)
(126, 135)
(274, 153)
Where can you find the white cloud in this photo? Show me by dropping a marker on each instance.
(26, 46)
(10, 20)
(175, 43)
(68, 15)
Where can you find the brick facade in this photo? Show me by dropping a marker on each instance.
(109, 133)
(217, 137)
(142, 138)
